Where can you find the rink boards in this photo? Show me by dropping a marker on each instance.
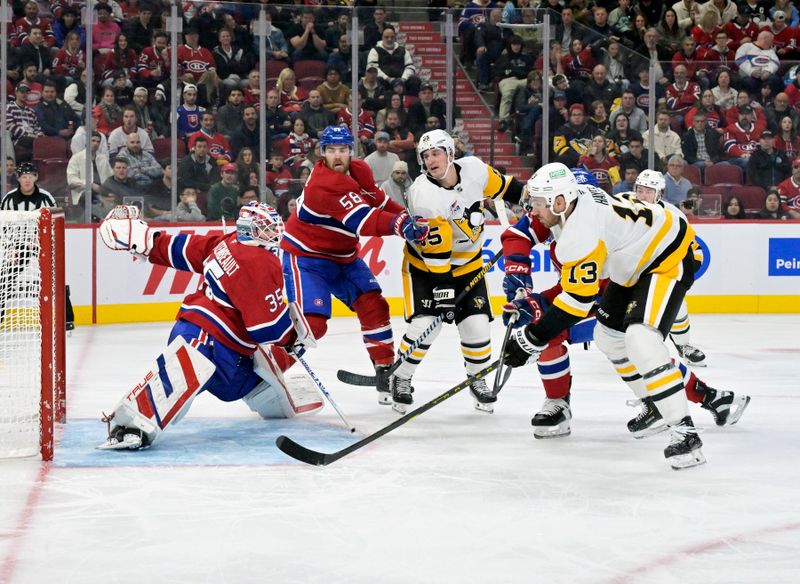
(749, 267)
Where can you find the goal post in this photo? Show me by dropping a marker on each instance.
(32, 331)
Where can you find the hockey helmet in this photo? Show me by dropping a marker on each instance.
(259, 224)
(27, 168)
(436, 139)
(547, 184)
(584, 177)
(651, 179)
(335, 136)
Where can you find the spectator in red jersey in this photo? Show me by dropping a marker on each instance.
(121, 59)
(279, 178)
(107, 114)
(291, 96)
(366, 125)
(687, 56)
(682, 94)
(196, 65)
(705, 30)
(577, 65)
(784, 41)
(786, 139)
(604, 168)
(401, 140)
(714, 115)
(23, 26)
(70, 60)
(297, 146)
(739, 139)
(713, 59)
(743, 98)
(218, 146)
(153, 66)
(789, 191)
(741, 30)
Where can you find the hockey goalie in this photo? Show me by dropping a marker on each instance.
(222, 338)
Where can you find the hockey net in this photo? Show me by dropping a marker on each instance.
(32, 331)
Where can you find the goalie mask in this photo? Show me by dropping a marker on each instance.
(436, 139)
(650, 184)
(546, 185)
(259, 224)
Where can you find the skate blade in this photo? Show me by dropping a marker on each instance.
(737, 409)
(399, 408)
(384, 398)
(688, 460)
(546, 433)
(651, 431)
(486, 408)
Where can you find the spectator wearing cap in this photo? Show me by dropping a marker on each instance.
(740, 139)
(512, 68)
(393, 62)
(372, 90)
(792, 14)
(758, 64)
(767, 165)
(741, 29)
(76, 169)
(784, 39)
(701, 143)
(571, 141)
(666, 143)
(105, 31)
(140, 28)
(143, 169)
(225, 188)
(528, 106)
(22, 124)
(558, 111)
(335, 94)
(427, 106)
(315, 115)
(398, 183)
(490, 41)
(27, 196)
(146, 118)
(382, 161)
(789, 191)
(31, 19)
(307, 39)
(743, 100)
(189, 113)
(197, 169)
(196, 65)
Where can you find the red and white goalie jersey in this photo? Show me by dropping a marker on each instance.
(335, 209)
(241, 300)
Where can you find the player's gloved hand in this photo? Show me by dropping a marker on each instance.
(522, 348)
(304, 336)
(444, 302)
(524, 311)
(518, 275)
(415, 229)
(133, 235)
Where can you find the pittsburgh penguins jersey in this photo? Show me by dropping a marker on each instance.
(617, 237)
(455, 217)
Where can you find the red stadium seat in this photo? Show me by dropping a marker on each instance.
(692, 174)
(752, 198)
(274, 68)
(310, 83)
(161, 147)
(50, 147)
(309, 68)
(723, 174)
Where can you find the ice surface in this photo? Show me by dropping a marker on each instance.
(453, 496)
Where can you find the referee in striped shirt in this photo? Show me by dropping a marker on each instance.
(27, 196)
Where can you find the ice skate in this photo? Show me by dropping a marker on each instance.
(648, 422)
(382, 384)
(123, 438)
(725, 406)
(401, 394)
(483, 397)
(692, 355)
(552, 421)
(684, 446)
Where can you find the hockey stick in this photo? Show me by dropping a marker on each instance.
(324, 391)
(500, 379)
(303, 454)
(358, 379)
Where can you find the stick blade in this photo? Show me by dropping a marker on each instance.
(351, 378)
(300, 452)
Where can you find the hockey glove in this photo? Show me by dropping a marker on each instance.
(522, 348)
(304, 336)
(525, 311)
(414, 230)
(444, 303)
(133, 235)
(518, 275)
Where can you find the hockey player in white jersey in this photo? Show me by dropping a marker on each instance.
(449, 194)
(646, 252)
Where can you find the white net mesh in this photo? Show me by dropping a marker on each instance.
(20, 333)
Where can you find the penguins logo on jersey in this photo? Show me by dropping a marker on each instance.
(471, 220)
(631, 307)
(479, 302)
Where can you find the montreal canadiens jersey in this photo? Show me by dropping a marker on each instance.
(240, 301)
(617, 237)
(455, 217)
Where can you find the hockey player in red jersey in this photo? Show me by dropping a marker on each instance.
(224, 331)
(340, 202)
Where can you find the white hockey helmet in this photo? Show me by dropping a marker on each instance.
(259, 224)
(436, 139)
(651, 179)
(546, 184)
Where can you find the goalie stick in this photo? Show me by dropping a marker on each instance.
(370, 380)
(313, 457)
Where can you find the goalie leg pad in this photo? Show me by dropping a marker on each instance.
(278, 396)
(164, 395)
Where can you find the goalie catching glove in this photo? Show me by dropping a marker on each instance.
(522, 348)
(123, 230)
(415, 230)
